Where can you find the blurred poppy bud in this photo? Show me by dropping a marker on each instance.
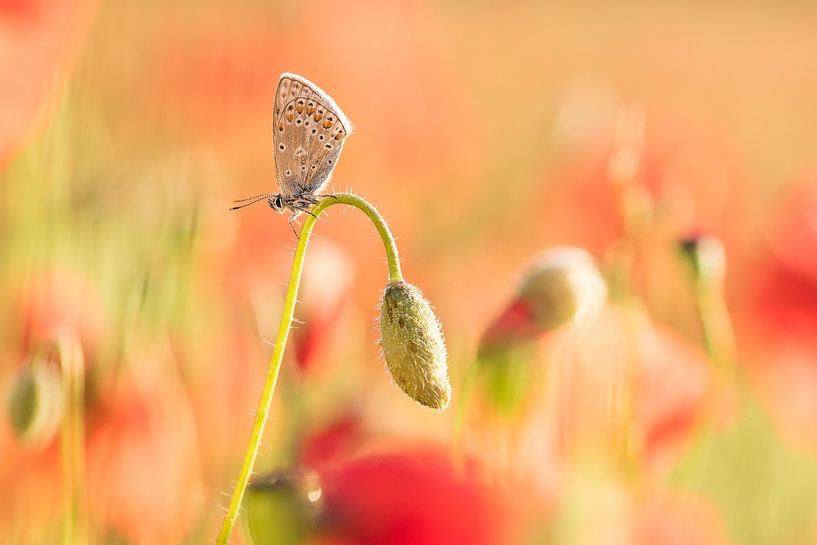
(562, 285)
(35, 404)
(707, 258)
(413, 345)
(282, 507)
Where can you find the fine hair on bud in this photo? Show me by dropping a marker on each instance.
(35, 403)
(563, 285)
(412, 341)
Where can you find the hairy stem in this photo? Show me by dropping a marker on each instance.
(262, 414)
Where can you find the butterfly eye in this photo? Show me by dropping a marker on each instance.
(281, 147)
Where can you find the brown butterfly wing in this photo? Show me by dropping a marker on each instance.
(309, 130)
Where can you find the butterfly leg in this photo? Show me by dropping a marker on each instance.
(304, 204)
(292, 222)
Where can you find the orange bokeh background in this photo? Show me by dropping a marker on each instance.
(484, 132)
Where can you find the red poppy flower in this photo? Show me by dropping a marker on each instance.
(778, 317)
(415, 497)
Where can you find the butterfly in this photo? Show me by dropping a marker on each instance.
(308, 133)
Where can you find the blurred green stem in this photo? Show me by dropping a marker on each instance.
(468, 382)
(283, 332)
(716, 324)
(72, 371)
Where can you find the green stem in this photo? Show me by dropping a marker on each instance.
(265, 402)
(468, 382)
(716, 324)
(72, 370)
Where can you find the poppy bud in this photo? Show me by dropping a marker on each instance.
(413, 345)
(282, 507)
(35, 404)
(561, 285)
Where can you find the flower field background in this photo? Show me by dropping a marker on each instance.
(674, 143)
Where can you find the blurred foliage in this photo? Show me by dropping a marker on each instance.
(766, 489)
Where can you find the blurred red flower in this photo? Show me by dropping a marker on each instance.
(777, 319)
(325, 287)
(143, 468)
(626, 373)
(39, 40)
(793, 230)
(143, 480)
(338, 438)
(58, 297)
(414, 497)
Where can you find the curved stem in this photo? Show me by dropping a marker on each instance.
(262, 414)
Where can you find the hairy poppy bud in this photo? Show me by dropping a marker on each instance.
(413, 345)
(35, 404)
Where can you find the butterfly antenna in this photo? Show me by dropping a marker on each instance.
(258, 198)
(260, 195)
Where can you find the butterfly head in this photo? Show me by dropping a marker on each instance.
(276, 202)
